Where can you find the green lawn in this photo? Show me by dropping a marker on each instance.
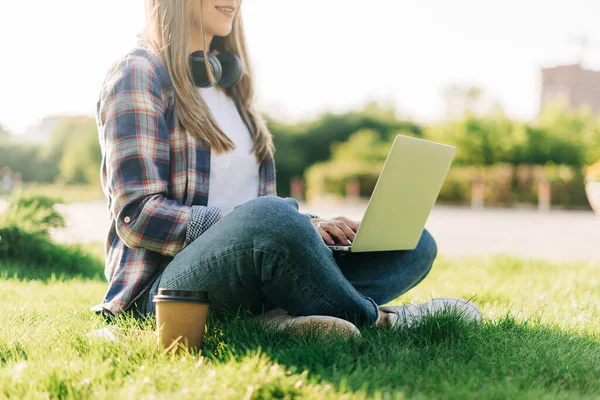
(540, 339)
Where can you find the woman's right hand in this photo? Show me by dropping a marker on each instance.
(334, 231)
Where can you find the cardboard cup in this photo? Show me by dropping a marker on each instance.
(181, 318)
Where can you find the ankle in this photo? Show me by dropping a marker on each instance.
(382, 320)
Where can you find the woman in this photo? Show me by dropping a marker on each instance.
(190, 180)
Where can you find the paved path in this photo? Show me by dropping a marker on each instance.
(557, 235)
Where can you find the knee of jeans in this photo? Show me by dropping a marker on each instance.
(278, 222)
(427, 248)
(271, 206)
(276, 215)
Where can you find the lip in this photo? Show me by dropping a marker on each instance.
(226, 12)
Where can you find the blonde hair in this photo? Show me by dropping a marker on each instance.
(168, 27)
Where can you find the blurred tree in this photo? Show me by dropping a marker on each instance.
(27, 160)
(301, 145)
(360, 157)
(563, 136)
(560, 136)
(592, 143)
(364, 145)
(479, 140)
(81, 158)
(66, 130)
(4, 134)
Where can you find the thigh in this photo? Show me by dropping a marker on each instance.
(385, 275)
(221, 261)
(264, 253)
(215, 263)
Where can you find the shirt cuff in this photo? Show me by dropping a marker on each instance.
(201, 219)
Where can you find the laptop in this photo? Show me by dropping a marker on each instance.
(405, 193)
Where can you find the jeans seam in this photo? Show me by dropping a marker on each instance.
(307, 287)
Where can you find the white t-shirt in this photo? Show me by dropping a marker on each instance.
(233, 176)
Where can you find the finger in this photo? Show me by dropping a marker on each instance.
(351, 224)
(346, 229)
(335, 232)
(326, 237)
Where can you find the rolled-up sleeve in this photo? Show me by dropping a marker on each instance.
(135, 143)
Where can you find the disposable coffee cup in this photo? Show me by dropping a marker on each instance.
(181, 318)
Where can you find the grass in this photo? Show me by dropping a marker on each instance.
(540, 340)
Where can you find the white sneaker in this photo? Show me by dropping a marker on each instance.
(281, 320)
(409, 314)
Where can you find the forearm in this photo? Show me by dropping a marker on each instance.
(163, 225)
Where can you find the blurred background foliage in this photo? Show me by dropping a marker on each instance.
(510, 157)
(25, 227)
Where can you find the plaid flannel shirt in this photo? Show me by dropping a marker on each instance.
(154, 175)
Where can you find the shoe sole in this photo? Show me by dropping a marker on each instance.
(323, 324)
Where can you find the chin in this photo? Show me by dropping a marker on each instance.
(223, 31)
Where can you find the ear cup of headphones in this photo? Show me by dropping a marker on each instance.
(232, 69)
(198, 67)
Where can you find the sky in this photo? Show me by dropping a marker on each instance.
(309, 56)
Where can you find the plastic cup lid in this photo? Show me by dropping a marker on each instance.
(190, 296)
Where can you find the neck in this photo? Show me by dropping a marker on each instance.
(196, 42)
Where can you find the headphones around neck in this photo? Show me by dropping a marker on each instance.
(226, 67)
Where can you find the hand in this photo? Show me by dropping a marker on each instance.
(336, 230)
(351, 224)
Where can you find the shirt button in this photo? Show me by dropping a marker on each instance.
(127, 220)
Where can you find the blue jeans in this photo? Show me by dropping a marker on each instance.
(266, 254)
